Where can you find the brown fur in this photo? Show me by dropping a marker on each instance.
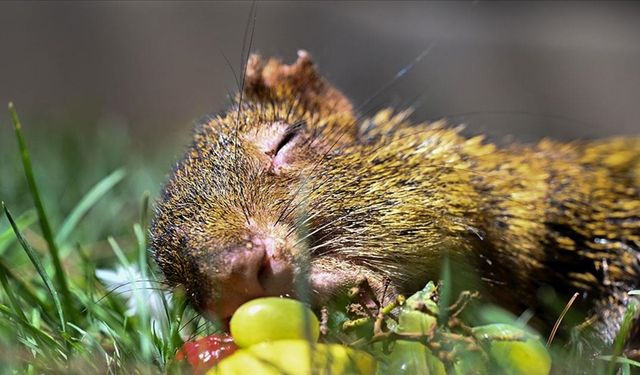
(384, 198)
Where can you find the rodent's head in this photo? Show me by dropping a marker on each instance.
(286, 186)
(225, 228)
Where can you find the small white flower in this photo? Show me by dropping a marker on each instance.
(140, 293)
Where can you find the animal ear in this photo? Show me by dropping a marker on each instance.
(298, 84)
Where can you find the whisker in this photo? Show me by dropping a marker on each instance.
(243, 66)
(118, 293)
(233, 71)
(302, 223)
(325, 225)
(313, 249)
(407, 68)
(402, 72)
(197, 316)
(524, 113)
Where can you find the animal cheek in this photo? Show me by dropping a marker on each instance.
(330, 277)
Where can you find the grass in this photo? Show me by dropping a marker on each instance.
(56, 314)
(78, 293)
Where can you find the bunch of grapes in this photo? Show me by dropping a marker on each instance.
(408, 336)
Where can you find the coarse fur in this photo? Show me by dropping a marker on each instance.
(290, 186)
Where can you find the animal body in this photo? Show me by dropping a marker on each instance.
(291, 187)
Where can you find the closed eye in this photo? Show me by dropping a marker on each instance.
(281, 155)
(292, 131)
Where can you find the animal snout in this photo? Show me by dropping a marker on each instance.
(238, 280)
(262, 267)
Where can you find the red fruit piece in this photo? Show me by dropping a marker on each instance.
(204, 353)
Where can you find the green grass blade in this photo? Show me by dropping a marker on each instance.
(13, 300)
(445, 290)
(87, 338)
(44, 221)
(24, 221)
(618, 344)
(88, 201)
(25, 291)
(620, 360)
(50, 342)
(144, 211)
(117, 250)
(141, 240)
(39, 267)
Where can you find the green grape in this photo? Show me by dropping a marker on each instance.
(410, 357)
(296, 357)
(469, 362)
(416, 322)
(243, 362)
(271, 319)
(521, 357)
(514, 350)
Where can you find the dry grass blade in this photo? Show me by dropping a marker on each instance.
(556, 326)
